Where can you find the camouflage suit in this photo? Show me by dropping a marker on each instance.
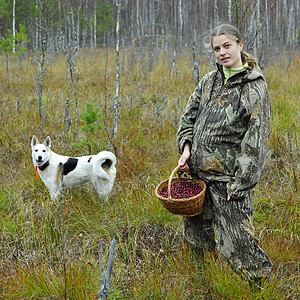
(227, 127)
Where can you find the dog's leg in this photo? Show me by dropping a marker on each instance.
(55, 195)
(56, 188)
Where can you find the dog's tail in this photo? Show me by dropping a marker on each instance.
(104, 165)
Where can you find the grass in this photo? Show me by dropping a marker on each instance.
(50, 249)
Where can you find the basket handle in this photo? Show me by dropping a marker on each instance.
(170, 180)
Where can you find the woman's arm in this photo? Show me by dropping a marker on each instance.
(183, 160)
(251, 159)
(187, 120)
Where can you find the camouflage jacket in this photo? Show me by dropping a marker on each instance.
(228, 126)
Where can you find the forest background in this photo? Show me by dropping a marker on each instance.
(116, 75)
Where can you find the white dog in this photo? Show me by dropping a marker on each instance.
(59, 172)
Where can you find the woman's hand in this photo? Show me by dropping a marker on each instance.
(183, 160)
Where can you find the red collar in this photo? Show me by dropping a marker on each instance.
(42, 168)
(37, 173)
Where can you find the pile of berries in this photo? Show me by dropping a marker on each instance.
(181, 190)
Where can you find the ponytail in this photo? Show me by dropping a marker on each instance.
(249, 59)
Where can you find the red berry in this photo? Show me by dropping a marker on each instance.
(181, 190)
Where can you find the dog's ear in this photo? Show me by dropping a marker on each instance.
(47, 142)
(34, 141)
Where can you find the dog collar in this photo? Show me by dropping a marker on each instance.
(44, 166)
(37, 173)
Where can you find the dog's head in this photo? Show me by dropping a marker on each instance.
(40, 152)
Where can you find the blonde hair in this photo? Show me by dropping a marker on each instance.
(232, 32)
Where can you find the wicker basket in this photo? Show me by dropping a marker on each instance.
(188, 207)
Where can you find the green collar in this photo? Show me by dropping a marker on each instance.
(232, 71)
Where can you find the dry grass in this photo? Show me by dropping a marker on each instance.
(50, 249)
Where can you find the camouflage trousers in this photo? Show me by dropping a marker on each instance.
(232, 221)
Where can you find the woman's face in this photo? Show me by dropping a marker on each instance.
(227, 51)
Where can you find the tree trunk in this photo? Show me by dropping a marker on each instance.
(258, 22)
(216, 13)
(196, 70)
(180, 21)
(229, 11)
(95, 25)
(116, 97)
(14, 26)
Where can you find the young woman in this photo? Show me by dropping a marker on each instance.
(223, 137)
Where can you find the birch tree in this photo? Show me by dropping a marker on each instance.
(116, 97)
(14, 25)
(180, 21)
(229, 11)
(95, 24)
(216, 13)
(44, 57)
(71, 51)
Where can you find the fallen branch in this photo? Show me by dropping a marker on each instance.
(104, 283)
(292, 157)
